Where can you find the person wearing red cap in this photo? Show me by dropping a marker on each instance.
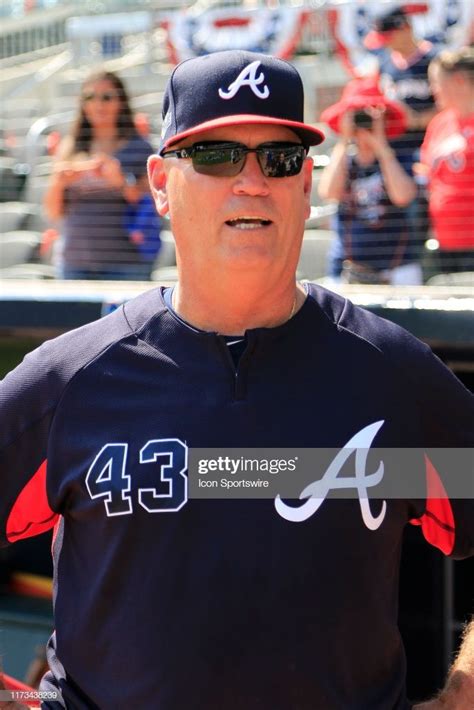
(374, 237)
(448, 157)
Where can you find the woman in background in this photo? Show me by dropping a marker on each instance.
(99, 174)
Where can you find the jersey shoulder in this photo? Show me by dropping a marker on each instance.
(36, 384)
(445, 405)
(377, 332)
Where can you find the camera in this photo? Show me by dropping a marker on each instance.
(362, 119)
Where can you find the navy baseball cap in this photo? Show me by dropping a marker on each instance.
(388, 21)
(231, 88)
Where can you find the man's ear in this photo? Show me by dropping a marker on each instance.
(157, 180)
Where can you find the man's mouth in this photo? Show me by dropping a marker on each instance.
(248, 222)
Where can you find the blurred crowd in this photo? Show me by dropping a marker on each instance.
(400, 175)
(402, 169)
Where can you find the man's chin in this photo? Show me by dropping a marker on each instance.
(250, 256)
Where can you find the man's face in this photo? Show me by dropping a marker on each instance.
(229, 224)
(396, 39)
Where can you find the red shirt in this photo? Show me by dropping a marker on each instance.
(448, 151)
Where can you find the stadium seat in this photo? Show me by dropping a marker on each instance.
(461, 278)
(314, 252)
(11, 179)
(20, 216)
(31, 272)
(320, 216)
(18, 247)
(165, 273)
(167, 254)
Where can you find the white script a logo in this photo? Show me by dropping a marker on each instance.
(358, 445)
(247, 77)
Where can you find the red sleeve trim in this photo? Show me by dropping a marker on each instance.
(31, 514)
(437, 522)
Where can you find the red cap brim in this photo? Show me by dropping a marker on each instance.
(395, 120)
(308, 134)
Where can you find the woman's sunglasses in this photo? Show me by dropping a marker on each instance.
(105, 97)
(225, 159)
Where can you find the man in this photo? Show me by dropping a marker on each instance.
(169, 603)
(404, 62)
(403, 67)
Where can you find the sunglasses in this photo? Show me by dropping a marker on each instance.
(225, 159)
(105, 98)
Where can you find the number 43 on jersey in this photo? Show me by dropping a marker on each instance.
(107, 477)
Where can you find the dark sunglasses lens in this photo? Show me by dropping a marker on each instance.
(281, 162)
(220, 162)
(228, 160)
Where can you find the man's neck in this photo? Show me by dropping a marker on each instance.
(465, 105)
(234, 310)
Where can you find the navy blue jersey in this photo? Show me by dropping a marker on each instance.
(372, 230)
(168, 603)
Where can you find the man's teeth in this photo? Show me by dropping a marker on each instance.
(248, 222)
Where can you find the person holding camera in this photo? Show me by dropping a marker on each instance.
(375, 242)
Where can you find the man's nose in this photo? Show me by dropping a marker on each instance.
(251, 180)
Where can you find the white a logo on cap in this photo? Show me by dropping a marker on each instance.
(247, 77)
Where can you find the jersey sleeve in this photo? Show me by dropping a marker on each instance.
(29, 396)
(447, 410)
(445, 414)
